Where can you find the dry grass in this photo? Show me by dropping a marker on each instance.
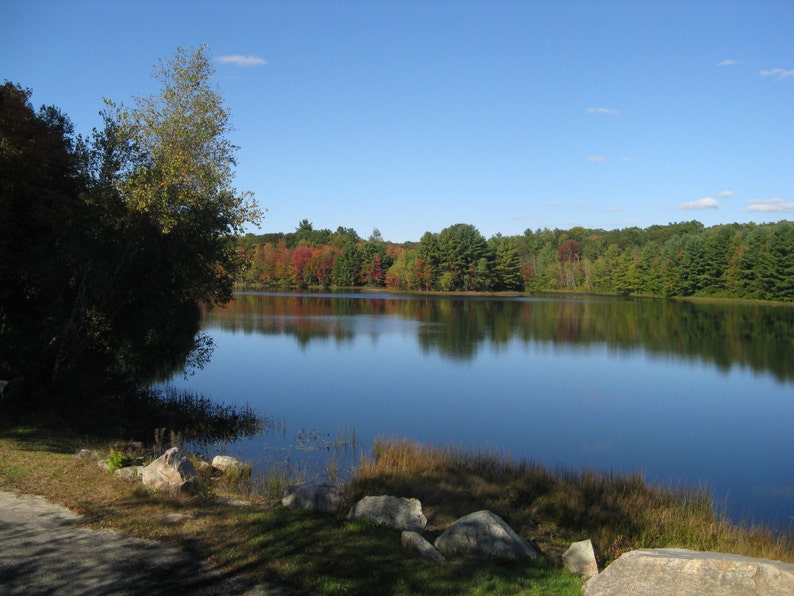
(556, 507)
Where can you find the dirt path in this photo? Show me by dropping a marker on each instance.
(44, 550)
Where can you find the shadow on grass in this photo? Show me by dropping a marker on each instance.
(38, 438)
(329, 555)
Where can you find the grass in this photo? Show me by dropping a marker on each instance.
(324, 554)
(555, 507)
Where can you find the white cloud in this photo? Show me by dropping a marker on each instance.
(770, 205)
(728, 63)
(555, 204)
(595, 158)
(704, 203)
(628, 159)
(607, 111)
(726, 194)
(239, 60)
(778, 73)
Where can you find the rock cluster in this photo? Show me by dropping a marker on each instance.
(172, 471)
(480, 534)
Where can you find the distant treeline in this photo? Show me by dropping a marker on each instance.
(749, 261)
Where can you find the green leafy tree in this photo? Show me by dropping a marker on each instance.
(182, 175)
(137, 232)
(460, 248)
(347, 266)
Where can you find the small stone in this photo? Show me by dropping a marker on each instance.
(415, 541)
(580, 559)
(227, 463)
(173, 519)
(130, 472)
(235, 502)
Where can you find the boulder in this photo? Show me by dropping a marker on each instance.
(686, 572)
(415, 541)
(314, 496)
(580, 558)
(395, 512)
(483, 534)
(169, 472)
(227, 464)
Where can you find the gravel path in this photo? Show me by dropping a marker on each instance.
(44, 550)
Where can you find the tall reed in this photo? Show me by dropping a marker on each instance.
(556, 506)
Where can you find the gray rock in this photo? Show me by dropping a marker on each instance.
(87, 454)
(314, 496)
(395, 512)
(130, 472)
(174, 519)
(483, 534)
(686, 572)
(415, 541)
(169, 472)
(580, 558)
(227, 463)
(235, 502)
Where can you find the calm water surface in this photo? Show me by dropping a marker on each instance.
(692, 394)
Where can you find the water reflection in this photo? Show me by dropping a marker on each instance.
(725, 335)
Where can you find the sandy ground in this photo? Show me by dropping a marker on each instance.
(45, 550)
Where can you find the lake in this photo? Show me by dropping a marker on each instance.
(695, 394)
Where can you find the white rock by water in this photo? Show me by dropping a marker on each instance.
(690, 573)
(483, 534)
(169, 472)
(227, 463)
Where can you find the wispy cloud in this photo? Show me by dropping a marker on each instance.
(626, 159)
(239, 60)
(778, 73)
(606, 111)
(555, 204)
(725, 194)
(728, 62)
(770, 205)
(704, 203)
(595, 158)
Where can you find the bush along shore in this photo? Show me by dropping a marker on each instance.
(333, 553)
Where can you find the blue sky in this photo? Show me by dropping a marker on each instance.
(412, 116)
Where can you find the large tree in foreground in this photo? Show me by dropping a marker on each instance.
(107, 251)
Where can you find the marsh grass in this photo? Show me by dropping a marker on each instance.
(554, 507)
